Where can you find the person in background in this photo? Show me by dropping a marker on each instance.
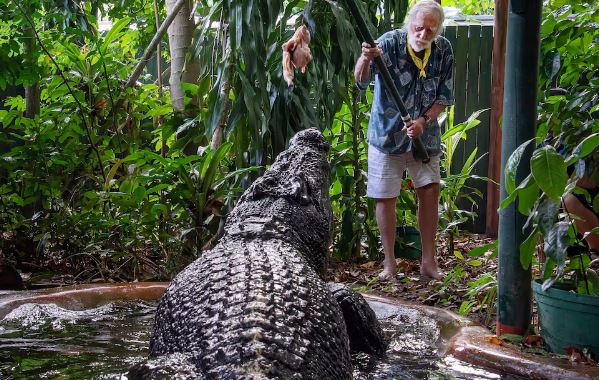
(421, 63)
(585, 217)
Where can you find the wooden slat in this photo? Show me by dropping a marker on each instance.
(472, 47)
(472, 105)
(460, 78)
(460, 52)
(467, 147)
(450, 34)
(483, 142)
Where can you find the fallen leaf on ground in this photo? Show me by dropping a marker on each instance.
(369, 265)
(494, 340)
(534, 341)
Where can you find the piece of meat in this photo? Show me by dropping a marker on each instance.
(296, 54)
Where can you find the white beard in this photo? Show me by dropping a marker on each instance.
(418, 46)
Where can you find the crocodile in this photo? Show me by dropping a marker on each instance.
(257, 306)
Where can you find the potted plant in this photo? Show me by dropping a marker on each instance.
(407, 237)
(566, 287)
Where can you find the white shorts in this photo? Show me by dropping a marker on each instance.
(385, 172)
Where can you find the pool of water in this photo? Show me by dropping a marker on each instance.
(45, 341)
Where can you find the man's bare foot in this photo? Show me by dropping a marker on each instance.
(430, 270)
(389, 270)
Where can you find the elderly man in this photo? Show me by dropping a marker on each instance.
(420, 62)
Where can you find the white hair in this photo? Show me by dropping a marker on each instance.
(426, 6)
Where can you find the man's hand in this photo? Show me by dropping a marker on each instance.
(370, 52)
(416, 129)
(362, 69)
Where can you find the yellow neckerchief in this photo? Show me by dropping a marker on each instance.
(420, 63)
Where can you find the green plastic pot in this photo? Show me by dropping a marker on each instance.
(407, 243)
(567, 319)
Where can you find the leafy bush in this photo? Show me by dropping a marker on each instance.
(457, 186)
(567, 137)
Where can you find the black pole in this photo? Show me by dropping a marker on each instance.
(387, 80)
(519, 125)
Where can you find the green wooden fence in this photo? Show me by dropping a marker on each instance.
(473, 46)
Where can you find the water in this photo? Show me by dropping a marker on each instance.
(44, 341)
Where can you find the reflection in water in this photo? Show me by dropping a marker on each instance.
(45, 341)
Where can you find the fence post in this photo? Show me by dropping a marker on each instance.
(494, 169)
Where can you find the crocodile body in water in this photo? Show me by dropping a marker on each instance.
(256, 306)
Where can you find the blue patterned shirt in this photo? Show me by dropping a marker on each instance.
(418, 93)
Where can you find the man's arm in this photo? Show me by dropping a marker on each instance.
(419, 124)
(362, 69)
(435, 110)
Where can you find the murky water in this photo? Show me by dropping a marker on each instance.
(44, 341)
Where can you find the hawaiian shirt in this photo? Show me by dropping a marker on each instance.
(418, 93)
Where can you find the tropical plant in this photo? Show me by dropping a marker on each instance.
(567, 137)
(348, 167)
(457, 186)
(83, 177)
(482, 292)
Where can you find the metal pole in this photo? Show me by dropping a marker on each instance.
(519, 125)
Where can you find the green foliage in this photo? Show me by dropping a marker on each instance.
(569, 129)
(353, 216)
(482, 296)
(125, 212)
(468, 7)
(451, 279)
(570, 60)
(457, 186)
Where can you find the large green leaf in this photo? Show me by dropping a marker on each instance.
(115, 32)
(547, 214)
(586, 147)
(556, 243)
(527, 196)
(481, 250)
(549, 171)
(527, 249)
(512, 165)
(525, 185)
(552, 64)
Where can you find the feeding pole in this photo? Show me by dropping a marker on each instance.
(519, 125)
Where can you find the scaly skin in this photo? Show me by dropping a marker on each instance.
(256, 305)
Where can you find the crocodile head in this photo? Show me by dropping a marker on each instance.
(291, 200)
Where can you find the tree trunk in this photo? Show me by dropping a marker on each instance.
(32, 92)
(180, 34)
(150, 49)
(219, 131)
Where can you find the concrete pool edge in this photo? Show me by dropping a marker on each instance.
(467, 341)
(459, 337)
(82, 296)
